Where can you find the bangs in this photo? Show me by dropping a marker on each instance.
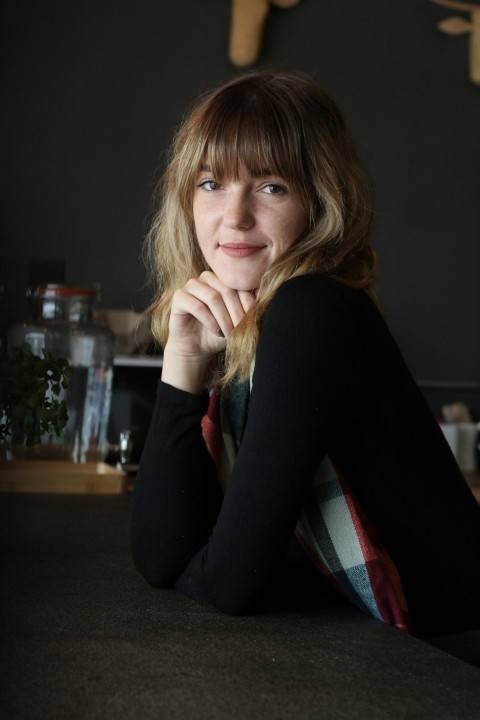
(246, 132)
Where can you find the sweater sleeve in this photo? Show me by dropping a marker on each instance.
(176, 496)
(295, 406)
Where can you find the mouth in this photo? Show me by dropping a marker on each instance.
(240, 250)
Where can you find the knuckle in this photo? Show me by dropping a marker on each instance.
(206, 275)
(189, 285)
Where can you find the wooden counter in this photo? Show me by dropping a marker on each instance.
(57, 476)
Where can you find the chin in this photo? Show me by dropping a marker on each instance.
(244, 284)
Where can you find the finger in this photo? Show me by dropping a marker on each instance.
(247, 299)
(230, 298)
(190, 304)
(216, 297)
(205, 300)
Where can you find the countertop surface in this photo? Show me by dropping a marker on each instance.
(83, 636)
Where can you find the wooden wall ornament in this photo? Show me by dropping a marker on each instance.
(246, 28)
(460, 26)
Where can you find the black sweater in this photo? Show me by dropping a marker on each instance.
(328, 378)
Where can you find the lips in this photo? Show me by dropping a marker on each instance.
(240, 250)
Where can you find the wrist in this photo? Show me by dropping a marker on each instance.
(190, 373)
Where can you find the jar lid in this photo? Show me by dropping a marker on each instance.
(52, 290)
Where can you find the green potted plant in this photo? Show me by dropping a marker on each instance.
(30, 387)
(33, 412)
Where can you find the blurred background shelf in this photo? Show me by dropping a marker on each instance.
(152, 361)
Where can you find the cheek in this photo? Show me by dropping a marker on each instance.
(205, 249)
(201, 230)
(197, 224)
(301, 220)
(293, 228)
(204, 221)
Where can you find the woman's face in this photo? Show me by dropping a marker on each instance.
(243, 225)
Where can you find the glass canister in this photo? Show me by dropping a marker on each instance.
(62, 322)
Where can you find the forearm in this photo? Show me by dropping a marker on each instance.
(229, 561)
(290, 419)
(177, 496)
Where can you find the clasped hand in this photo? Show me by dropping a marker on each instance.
(204, 313)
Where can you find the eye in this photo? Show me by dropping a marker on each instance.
(274, 189)
(209, 185)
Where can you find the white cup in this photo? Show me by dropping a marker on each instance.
(463, 439)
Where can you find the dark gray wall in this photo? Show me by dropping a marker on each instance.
(93, 89)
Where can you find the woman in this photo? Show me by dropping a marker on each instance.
(265, 273)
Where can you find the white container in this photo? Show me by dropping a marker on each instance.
(463, 441)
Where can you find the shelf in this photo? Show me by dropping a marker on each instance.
(138, 361)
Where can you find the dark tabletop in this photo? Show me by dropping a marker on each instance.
(83, 636)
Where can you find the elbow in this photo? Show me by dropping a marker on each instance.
(235, 601)
(237, 606)
(233, 607)
(155, 562)
(216, 596)
(157, 573)
(155, 576)
(238, 594)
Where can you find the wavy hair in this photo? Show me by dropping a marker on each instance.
(285, 122)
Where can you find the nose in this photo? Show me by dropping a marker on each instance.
(238, 211)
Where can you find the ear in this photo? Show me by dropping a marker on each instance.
(246, 29)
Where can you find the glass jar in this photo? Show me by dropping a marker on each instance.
(62, 322)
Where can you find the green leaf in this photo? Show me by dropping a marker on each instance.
(27, 385)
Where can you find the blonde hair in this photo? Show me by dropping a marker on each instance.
(285, 122)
